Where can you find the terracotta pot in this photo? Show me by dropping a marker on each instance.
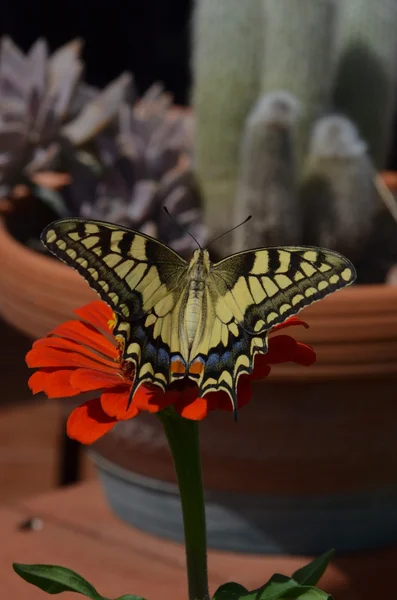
(312, 463)
(37, 292)
(390, 179)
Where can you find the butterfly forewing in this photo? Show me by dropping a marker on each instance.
(131, 272)
(264, 287)
(148, 285)
(141, 279)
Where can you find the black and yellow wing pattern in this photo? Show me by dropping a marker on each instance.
(142, 280)
(251, 292)
(148, 285)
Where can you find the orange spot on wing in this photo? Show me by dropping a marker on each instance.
(196, 368)
(177, 366)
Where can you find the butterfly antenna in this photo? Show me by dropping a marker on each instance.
(181, 226)
(229, 231)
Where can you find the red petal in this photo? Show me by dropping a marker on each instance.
(58, 385)
(290, 323)
(96, 313)
(282, 348)
(114, 403)
(244, 390)
(305, 355)
(261, 368)
(195, 411)
(219, 401)
(153, 399)
(54, 382)
(183, 396)
(86, 380)
(215, 400)
(44, 356)
(75, 347)
(36, 381)
(87, 423)
(225, 402)
(86, 334)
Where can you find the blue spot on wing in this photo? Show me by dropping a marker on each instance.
(212, 361)
(163, 358)
(227, 356)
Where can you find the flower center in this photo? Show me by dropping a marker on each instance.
(127, 369)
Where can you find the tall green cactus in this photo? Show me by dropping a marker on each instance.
(321, 52)
(298, 57)
(226, 51)
(366, 83)
(267, 175)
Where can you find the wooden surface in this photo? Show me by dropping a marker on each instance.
(31, 427)
(80, 532)
(30, 449)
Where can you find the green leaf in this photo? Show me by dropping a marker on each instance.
(230, 591)
(130, 597)
(305, 592)
(275, 588)
(55, 580)
(279, 587)
(312, 573)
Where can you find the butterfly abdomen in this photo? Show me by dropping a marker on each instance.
(198, 275)
(193, 309)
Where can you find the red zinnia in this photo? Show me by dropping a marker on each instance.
(82, 356)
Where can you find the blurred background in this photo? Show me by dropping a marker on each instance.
(306, 140)
(151, 40)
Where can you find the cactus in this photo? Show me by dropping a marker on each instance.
(298, 57)
(366, 82)
(226, 50)
(267, 175)
(276, 50)
(338, 194)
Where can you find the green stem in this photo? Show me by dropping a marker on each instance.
(183, 439)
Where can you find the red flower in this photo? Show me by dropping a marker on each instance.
(82, 356)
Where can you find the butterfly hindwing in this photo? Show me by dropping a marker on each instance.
(148, 286)
(252, 291)
(224, 350)
(153, 343)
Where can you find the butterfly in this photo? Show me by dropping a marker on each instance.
(201, 320)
